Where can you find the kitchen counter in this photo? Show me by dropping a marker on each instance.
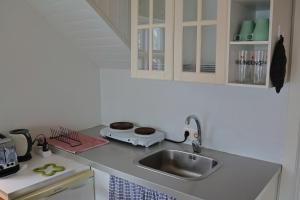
(239, 178)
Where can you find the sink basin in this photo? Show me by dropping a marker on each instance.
(180, 164)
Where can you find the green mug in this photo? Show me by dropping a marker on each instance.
(246, 30)
(261, 31)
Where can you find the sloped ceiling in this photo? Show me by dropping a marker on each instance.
(80, 24)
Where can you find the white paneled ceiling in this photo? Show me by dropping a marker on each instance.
(80, 23)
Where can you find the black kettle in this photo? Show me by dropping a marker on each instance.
(23, 143)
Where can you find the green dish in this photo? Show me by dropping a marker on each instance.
(43, 170)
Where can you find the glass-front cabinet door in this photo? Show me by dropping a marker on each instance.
(152, 38)
(200, 40)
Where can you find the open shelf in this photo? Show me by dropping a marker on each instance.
(252, 56)
(241, 10)
(247, 10)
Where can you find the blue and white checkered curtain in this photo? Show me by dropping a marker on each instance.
(120, 189)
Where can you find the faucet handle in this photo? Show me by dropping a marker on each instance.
(196, 144)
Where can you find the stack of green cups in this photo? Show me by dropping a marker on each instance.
(254, 31)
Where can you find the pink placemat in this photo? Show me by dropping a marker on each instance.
(87, 143)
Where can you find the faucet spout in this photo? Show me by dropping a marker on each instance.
(198, 142)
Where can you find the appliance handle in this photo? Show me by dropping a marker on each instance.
(58, 191)
(29, 142)
(58, 187)
(81, 185)
(2, 148)
(26, 134)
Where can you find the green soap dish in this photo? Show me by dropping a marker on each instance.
(45, 172)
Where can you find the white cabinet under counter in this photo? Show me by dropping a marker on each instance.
(101, 184)
(270, 191)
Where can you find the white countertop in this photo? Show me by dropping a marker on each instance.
(25, 180)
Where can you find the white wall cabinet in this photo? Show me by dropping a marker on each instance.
(200, 40)
(152, 39)
(246, 56)
(179, 39)
(193, 40)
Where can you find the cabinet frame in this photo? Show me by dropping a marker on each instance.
(167, 73)
(174, 41)
(221, 36)
(278, 24)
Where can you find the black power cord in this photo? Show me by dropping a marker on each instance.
(42, 142)
(186, 135)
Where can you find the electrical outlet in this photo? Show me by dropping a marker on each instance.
(193, 133)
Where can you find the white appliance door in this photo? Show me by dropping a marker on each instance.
(58, 196)
(83, 191)
(77, 187)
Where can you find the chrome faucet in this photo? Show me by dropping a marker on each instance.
(196, 143)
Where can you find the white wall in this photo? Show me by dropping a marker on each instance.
(244, 121)
(44, 80)
(291, 161)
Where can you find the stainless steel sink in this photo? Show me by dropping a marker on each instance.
(180, 164)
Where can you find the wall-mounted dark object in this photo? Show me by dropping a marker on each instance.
(278, 65)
